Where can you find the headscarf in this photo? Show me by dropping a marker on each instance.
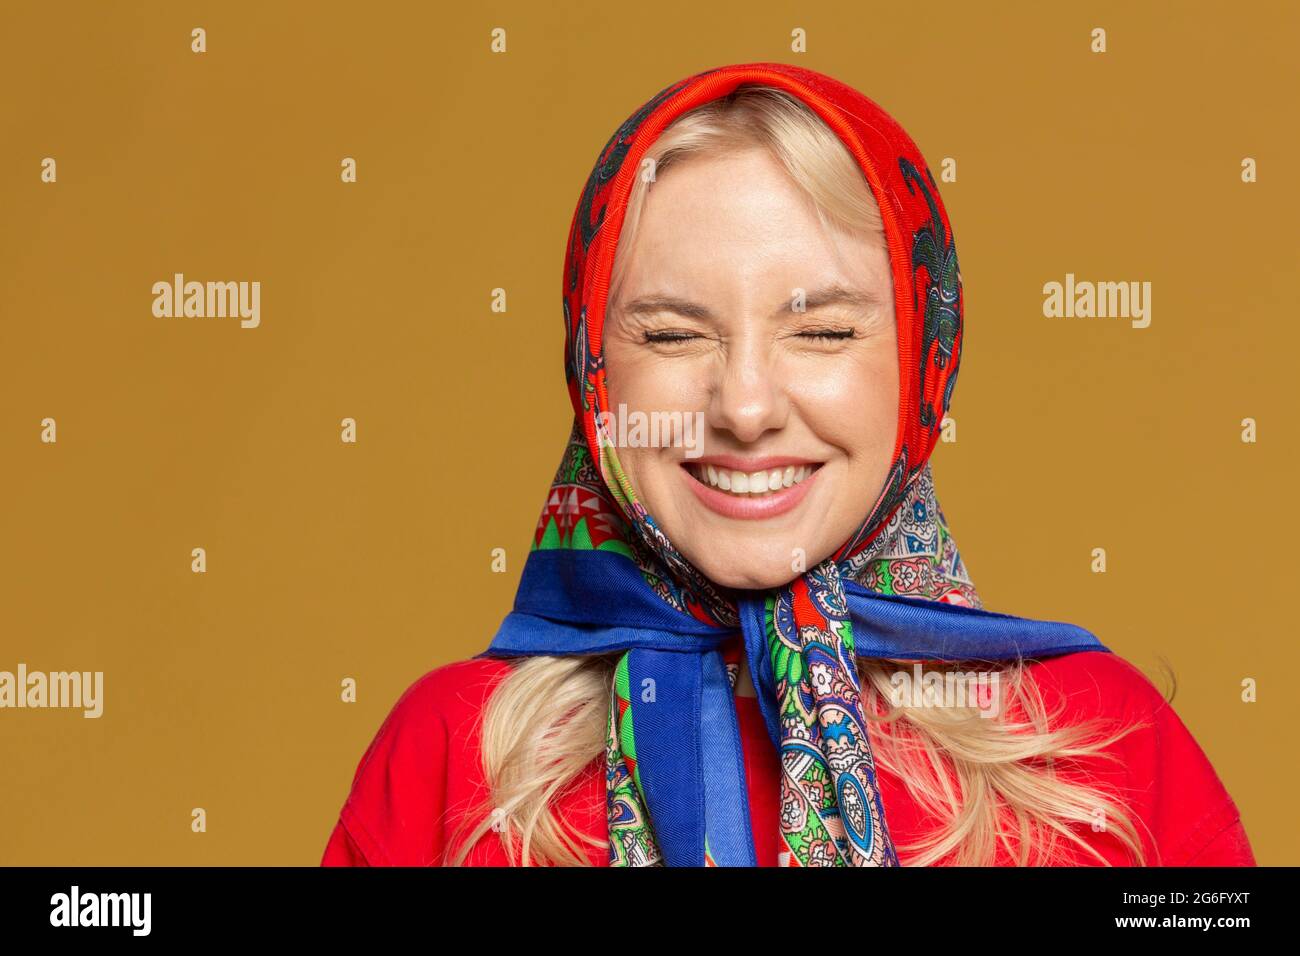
(603, 577)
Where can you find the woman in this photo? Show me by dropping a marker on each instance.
(716, 653)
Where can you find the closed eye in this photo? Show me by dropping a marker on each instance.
(827, 334)
(673, 336)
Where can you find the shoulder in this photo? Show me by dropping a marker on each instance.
(437, 714)
(1157, 767)
(448, 695)
(1097, 683)
(422, 763)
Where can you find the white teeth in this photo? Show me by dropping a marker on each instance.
(751, 483)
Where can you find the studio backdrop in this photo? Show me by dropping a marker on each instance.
(250, 518)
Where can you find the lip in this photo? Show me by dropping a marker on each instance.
(750, 508)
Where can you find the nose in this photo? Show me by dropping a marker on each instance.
(748, 399)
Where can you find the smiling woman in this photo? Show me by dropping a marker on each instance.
(702, 666)
(752, 284)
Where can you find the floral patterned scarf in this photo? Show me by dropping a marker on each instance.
(602, 577)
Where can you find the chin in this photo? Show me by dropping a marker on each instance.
(757, 573)
(751, 579)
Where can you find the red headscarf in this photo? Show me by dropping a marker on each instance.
(672, 797)
(923, 258)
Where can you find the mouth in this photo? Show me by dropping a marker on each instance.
(748, 492)
(751, 483)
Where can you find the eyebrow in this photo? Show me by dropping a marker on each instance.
(836, 295)
(830, 295)
(650, 304)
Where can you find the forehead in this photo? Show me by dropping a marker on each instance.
(737, 220)
(738, 195)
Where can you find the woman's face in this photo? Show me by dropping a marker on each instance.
(738, 305)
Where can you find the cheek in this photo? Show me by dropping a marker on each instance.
(852, 402)
(639, 382)
(625, 381)
(643, 381)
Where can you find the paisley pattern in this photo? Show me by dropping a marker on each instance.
(825, 754)
(934, 250)
(631, 837)
(915, 555)
(831, 811)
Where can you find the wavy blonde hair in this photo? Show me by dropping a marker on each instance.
(986, 782)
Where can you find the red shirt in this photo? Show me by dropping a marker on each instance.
(422, 773)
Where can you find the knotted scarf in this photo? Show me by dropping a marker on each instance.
(603, 578)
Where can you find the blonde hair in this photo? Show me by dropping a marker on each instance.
(811, 154)
(988, 782)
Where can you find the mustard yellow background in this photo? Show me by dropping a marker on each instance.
(373, 561)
